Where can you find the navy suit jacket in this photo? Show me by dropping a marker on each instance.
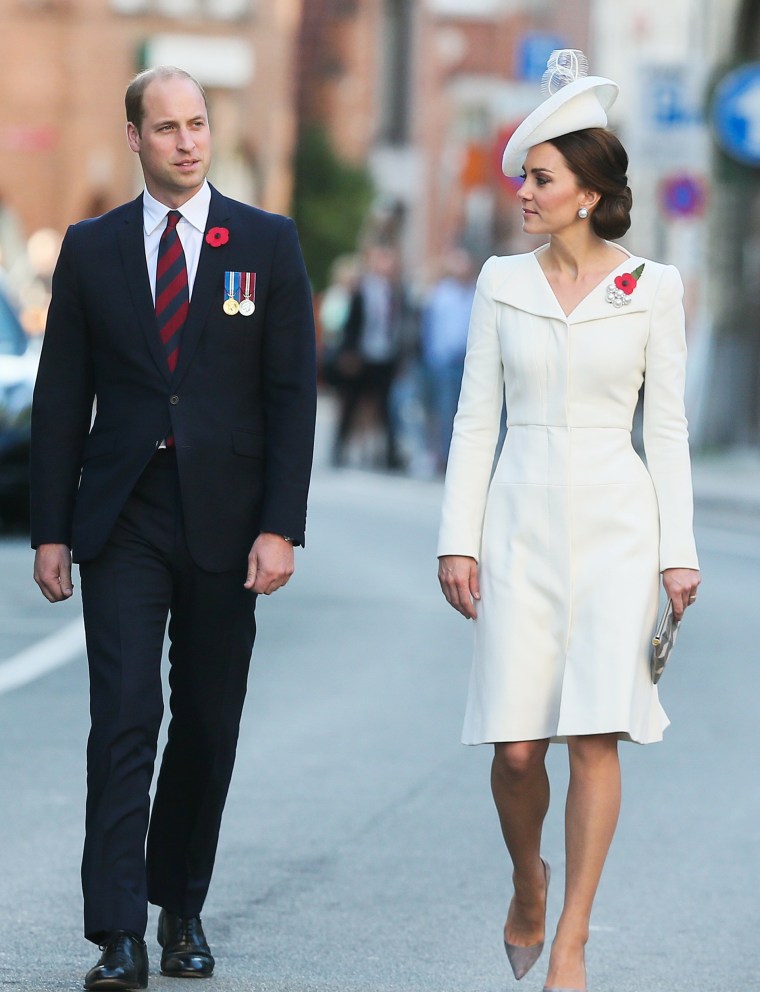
(240, 404)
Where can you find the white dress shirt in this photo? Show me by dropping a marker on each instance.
(191, 228)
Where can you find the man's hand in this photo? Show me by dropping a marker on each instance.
(270, 564)
(52, 571)
(458, 575)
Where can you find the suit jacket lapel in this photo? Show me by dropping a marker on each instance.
(206, 288)
(132, 248)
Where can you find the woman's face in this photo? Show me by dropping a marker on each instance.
(550, 196)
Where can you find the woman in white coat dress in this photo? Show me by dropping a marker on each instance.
(555, 554)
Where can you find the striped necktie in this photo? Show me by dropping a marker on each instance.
(172, 295)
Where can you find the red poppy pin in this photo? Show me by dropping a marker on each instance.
(619, 293)
(217, 236)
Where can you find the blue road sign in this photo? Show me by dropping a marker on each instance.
(736, 113)
(670, 97)
(534, 49)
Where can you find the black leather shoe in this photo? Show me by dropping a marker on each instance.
(186, 953)
(123, 964)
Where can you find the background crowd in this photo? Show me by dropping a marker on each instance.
(393, 354)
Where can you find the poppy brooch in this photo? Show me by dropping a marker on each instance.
(217, 237)
(619, 292)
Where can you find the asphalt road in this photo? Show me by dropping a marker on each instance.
(360, 851)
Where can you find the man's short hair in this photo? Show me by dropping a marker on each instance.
(133, 98)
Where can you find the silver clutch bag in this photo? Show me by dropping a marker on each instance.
(663, 640)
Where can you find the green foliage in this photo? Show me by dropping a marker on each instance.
(330, 203)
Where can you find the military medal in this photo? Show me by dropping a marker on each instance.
(247, 306)
(231, 293)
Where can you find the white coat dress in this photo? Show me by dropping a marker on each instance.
(570, 529)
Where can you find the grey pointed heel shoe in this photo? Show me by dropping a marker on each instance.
(520, 958)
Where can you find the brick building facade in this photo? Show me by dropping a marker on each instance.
(423, 91)
(64, 65)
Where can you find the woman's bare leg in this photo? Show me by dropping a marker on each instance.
(520, 789)
(591, 815)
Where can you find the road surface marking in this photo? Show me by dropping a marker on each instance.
(44, 656)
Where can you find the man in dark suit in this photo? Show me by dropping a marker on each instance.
(185, 317)
(375, 335)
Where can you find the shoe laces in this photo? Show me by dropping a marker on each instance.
(186, 928)
(113, 937)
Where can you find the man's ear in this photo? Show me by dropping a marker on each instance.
(133, 137)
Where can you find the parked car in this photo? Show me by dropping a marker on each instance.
(19, 357)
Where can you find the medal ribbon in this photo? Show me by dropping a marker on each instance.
(232, 286)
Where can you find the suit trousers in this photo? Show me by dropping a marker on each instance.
(143, 576)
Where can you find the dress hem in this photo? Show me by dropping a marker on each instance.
(622, 735)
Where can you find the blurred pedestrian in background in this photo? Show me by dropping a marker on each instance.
(187, 317)
(335, 302)
(33, 276)
(443, 339)
(332, 310)
(557, 555)
(12, 246)
(369, 355)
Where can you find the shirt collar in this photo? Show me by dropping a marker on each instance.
(194, 210)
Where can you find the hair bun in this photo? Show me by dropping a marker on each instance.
(600, 163)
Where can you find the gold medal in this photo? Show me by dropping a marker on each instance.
(231, 292)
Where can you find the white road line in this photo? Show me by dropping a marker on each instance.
(49, 653)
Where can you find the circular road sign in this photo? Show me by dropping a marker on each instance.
(683, 195)
(736, 113)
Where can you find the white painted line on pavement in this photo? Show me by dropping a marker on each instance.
(49, 653)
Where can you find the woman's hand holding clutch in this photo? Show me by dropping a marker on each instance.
(681, 585)
(458, 575)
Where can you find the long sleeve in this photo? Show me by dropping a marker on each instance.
(62, 408)
(666, 437)
(476, 428)
(290, 391)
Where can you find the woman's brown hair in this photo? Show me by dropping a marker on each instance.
(600, 163)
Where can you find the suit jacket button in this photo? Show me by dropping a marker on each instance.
(174, 400)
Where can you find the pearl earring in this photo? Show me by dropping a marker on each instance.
(583, 213)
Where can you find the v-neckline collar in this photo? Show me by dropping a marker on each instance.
(602, 281)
